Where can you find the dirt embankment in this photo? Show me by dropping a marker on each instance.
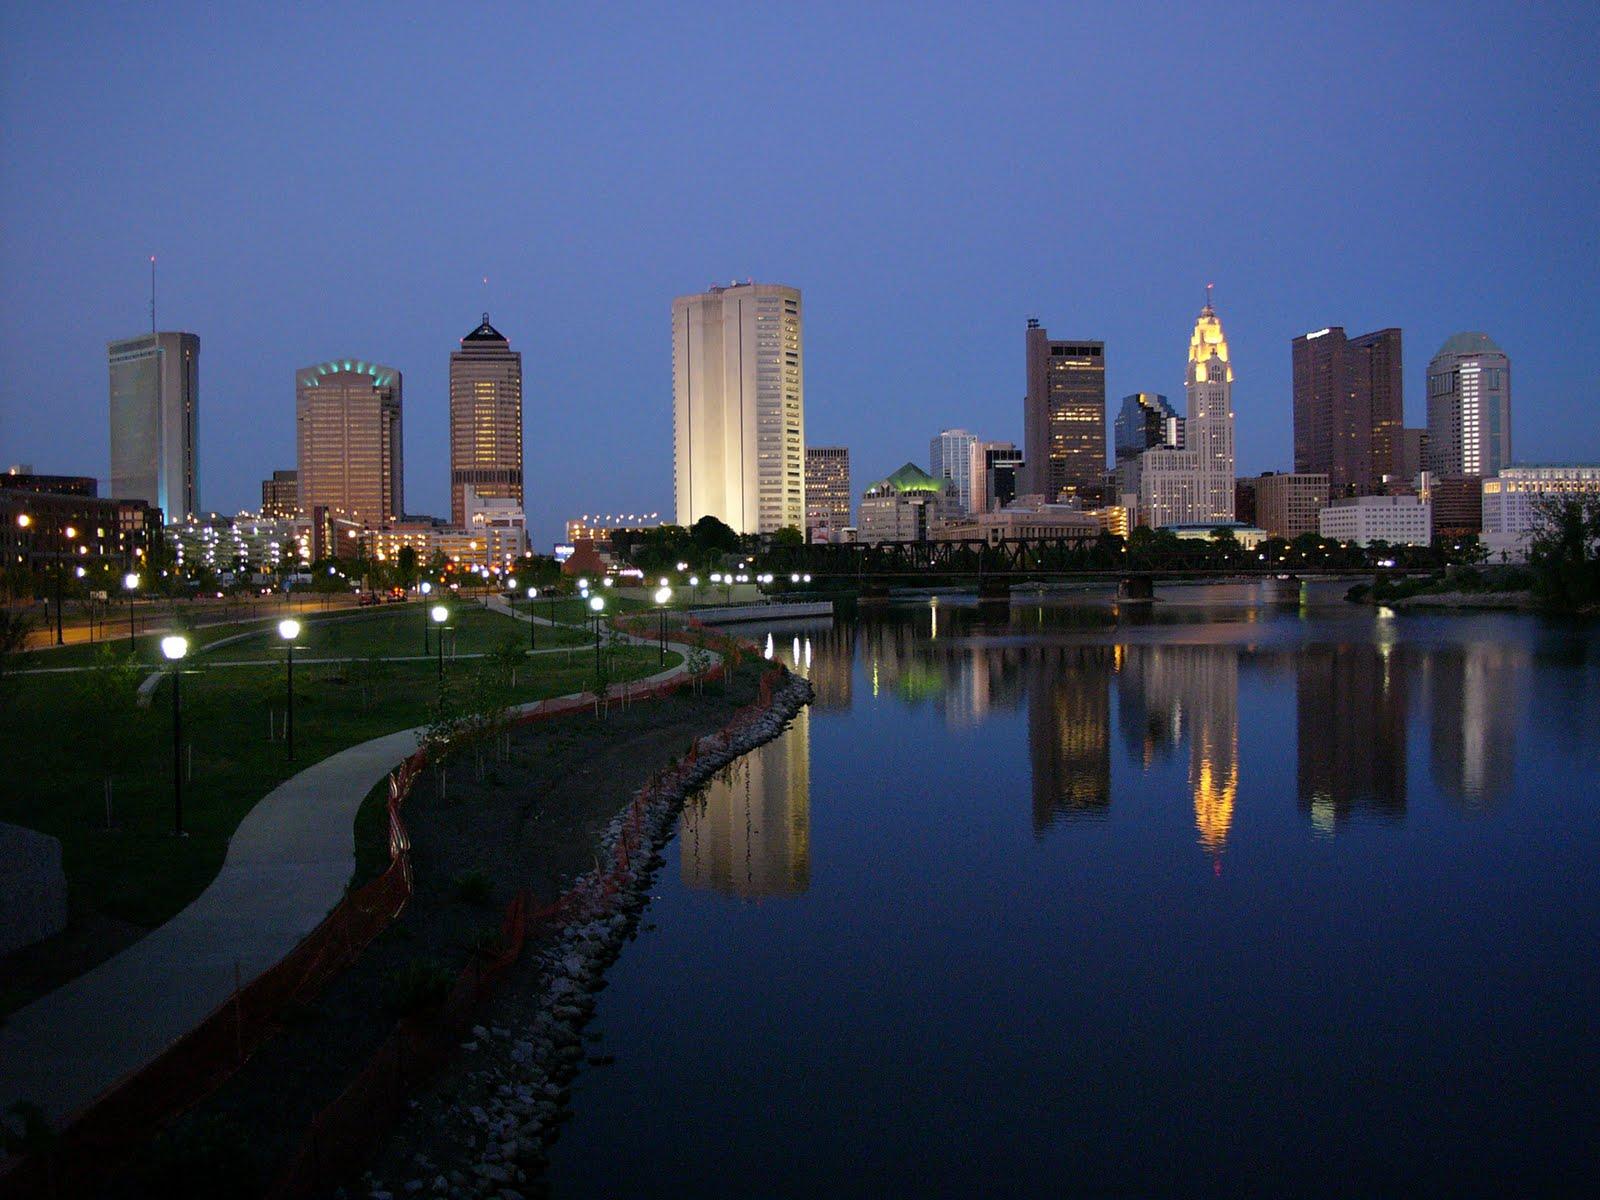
(534, 820)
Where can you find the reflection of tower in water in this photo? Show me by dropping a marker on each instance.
(1476, 691)
(1350, 709)
(1069, 733)
(1168, 693)
(748, 833)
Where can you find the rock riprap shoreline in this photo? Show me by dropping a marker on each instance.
(489, 1136)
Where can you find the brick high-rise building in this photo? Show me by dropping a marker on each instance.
(827, 492)
(347, 438)
(280, 495)
(1064, 418)
(1288, 505)
(1348, 403)
(485, 420)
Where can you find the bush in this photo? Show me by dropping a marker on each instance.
(418, 988)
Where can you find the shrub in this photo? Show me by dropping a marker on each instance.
(418, 988)
(474, 887)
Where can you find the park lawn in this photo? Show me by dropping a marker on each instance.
(574, 610)
(397, 633)
(61, 737)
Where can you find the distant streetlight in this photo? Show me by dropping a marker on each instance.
(174, 647)
(130, 584)
(597, 605)
(288, 630)
(533, 594)
(440, 615)
(663, 598)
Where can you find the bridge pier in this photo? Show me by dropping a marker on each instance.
(994, 591)
(1137, 587)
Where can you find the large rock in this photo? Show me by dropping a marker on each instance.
(33, 888)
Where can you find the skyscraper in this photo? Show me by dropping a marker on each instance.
(155, 403)
(950, 457)
(1348, 403)
(1064, 417)
(1469, 407)
(995, 467)
(347, 440)
(738, 399)
(485, 420)
(827, 491)
(1194, 484)
(1144, 422)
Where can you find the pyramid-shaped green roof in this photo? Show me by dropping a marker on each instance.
(912, 478)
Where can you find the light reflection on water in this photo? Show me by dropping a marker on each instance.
(1046, 861)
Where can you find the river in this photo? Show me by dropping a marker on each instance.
(1235, 893)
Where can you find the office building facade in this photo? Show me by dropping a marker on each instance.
(827, 492)
(1510, 502)
(738, 395)
(996, 468)
(1348, 408)
(950, 457)
(1398, 520)
(1064, 417)
(280, 495)
(1144, 422)
(485, 420)
(907, 507)
(1469, 407)
(348, 441)
(1287, 504)
(155, 421)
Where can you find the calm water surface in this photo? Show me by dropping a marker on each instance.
(1238, 895)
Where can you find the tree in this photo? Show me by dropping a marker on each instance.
(406, 566)
(788, 536)
(1564, 551)
(110, 723)
(14, 628)
(711, 534)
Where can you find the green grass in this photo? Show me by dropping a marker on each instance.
(571, 610)
(397, 633)
(60, 737)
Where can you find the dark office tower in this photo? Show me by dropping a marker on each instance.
(155, 414)
(1069, 733)
(485, 420)
(1347, 408)
(1144, 422)
(1064, 418)
(1350, 705)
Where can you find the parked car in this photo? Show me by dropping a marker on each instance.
(369, 598)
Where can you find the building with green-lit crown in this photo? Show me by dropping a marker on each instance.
(347, 439)
(907, 506)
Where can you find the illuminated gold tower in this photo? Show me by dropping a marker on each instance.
(347, 440)
(485, 420)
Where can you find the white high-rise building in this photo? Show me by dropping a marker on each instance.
(1194, 485)
(950, 457)
(738, 401)
(1469, 407)
(155, 415)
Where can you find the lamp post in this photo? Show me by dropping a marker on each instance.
(288, 630)
(130, 583)
(533, 594)
(663, 598)
(424, 587)
(597, 605)
(440, 615)
(175, 646)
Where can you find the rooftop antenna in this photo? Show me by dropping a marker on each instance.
(1209, 286)
(485, 299)
(152, 294)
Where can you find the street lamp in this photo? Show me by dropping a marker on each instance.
(425, 587)
(440, 615)
(533, 594)
(175, 646)
(130, 584)
(288, 630)
(663, 598)
(597, 605)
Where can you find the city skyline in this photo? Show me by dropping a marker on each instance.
(93, 191)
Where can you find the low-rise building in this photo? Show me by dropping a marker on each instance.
(280, 495)
(1509, 501)
(1287, 504)
(1457, 503)
(1027, 517)
(1248, 536)
(1398, 520)
(908, 506)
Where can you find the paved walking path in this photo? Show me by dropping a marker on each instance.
(287, 866)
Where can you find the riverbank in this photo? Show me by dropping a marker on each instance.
(484, 1126)
(532, 821)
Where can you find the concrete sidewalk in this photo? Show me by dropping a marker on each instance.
(287, 866)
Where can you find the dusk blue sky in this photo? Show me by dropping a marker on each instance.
(336, 181)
